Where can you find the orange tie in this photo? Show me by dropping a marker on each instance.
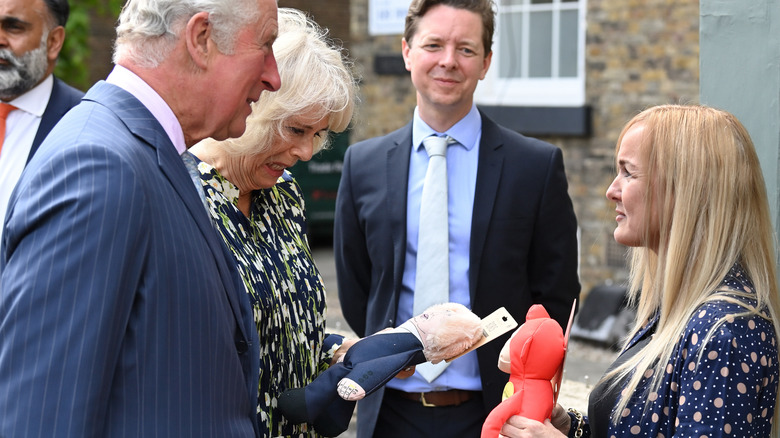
(5, 108)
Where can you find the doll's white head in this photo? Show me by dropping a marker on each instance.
(447, 330)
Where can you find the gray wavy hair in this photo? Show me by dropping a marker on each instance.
(148, 29)
(315, 74)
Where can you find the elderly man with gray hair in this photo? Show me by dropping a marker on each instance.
(121, 311)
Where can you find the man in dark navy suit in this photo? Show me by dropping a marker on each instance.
(31, 36)
(512, 229)
(121, 310)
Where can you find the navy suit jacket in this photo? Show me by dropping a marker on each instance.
(63, 98)
(121, 312)
(523, 246)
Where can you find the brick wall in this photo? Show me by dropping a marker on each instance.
(638, 53)
(330, 14)
(101, 45)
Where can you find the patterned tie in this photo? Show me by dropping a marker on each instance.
(5, 109)
(432, 285)
(192, 167)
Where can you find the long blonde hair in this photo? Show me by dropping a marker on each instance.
(705, 187)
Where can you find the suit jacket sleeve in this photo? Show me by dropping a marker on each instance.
(553, 276)
(352, 259)
(69, 265)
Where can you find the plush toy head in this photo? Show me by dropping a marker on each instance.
(447, 330)
(536, 348)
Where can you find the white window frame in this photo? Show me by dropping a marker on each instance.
(525, 91)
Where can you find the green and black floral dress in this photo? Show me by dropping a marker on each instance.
(284, 285)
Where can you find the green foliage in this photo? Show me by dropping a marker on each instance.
(73, 63)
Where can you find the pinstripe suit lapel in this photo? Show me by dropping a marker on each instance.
(144, 126)
(173, 168)
(397, 185)
(489, 168)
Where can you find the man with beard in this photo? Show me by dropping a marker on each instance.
(31, 36)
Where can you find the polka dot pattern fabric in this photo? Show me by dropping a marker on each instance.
(718, 387)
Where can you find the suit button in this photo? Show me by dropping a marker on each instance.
(241, 346)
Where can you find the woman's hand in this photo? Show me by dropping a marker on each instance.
(338, 356)
(521, 427)
(561, 419)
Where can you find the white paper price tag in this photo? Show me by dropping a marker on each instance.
(493, 326)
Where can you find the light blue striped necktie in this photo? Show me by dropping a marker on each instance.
(432, 283)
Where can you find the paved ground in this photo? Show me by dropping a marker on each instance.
(585, 362)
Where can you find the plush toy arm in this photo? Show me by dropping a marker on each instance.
(366, 377)
(439, 333)
(373, 361)
(497, 417)
(304, 405)
(509, 407)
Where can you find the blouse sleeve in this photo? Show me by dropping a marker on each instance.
(583, 431)
(727, 384)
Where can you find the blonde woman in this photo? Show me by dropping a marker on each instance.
(258, 209)
(702, 358)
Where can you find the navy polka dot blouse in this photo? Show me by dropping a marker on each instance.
(724, 387)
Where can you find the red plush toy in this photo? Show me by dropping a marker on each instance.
(532, 357)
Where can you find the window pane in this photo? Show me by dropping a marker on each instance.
(511, 2)
(567, 62)
(569, 1)
(510, 55)
(538, 2)
(540, 45)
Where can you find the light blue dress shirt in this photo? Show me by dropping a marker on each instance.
(462, 159)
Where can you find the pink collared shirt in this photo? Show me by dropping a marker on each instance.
(130, 82)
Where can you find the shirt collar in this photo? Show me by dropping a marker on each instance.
(36, 99)
(133, 84)
(465, 132)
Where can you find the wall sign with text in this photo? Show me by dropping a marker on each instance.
(386, 17)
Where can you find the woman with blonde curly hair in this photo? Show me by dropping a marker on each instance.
(257, 207)
(702, 358)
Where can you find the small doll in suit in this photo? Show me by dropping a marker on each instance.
(442, 332)
(532, 357)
